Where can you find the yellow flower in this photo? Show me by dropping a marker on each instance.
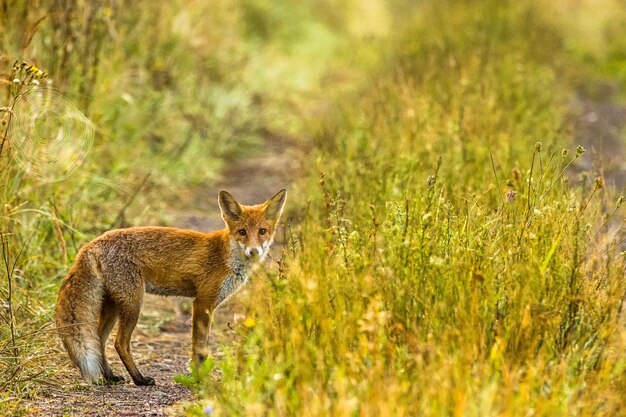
(249, 322)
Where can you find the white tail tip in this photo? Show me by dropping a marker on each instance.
(90, 367)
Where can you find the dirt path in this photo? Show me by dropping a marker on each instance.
(161, 343)
(599, 124)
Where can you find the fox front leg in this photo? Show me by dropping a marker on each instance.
(202, 315)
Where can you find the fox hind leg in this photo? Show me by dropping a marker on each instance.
(128, 316)
(127, 295)
(108, 318)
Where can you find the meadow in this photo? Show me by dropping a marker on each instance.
(451, 248)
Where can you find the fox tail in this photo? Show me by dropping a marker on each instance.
(77, 312)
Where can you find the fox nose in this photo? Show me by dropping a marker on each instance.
(254, 252)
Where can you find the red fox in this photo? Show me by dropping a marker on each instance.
(107, 281)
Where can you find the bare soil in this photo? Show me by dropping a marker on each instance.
(162, 340)
(599, 124)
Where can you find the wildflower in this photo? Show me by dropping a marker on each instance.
(599, 182)
(208, 410)
(511, 195)
(17, 80)
(580, 150)
(249, 322)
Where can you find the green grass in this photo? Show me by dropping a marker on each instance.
(413, 286)
(448, 254)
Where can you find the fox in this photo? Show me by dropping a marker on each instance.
(110, 275)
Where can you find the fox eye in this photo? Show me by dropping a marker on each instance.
(262, 231)
(242, 232)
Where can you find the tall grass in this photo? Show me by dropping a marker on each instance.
(174, 92)
(448, 259)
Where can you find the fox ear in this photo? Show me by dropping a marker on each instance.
(274, 206)
(231, 209)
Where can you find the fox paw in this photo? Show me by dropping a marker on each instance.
(145, 381)
(114, 379)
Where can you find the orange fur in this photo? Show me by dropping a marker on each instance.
(107, 281)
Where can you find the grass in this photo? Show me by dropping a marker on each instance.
(448, 252)
(446, 260)
(167, 118)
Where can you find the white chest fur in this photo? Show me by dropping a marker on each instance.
(241, 267)
(232, 283)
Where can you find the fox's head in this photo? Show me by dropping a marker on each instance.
(252, 228)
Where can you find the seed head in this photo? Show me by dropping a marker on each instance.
(431, 180)
(517, 174)
(538, 146)
(620, 200)
(564, 152)
(580, 150)
(599, 183)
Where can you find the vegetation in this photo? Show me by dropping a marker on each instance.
(448, 253)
